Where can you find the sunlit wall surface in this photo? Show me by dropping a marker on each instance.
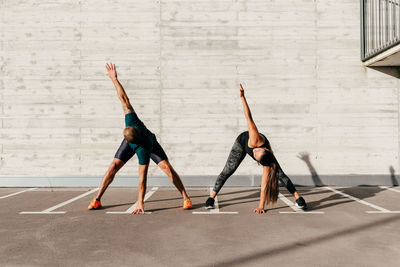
(181, 62)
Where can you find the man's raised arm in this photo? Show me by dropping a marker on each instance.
(123, 97)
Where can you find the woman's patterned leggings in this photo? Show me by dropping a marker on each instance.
(235, 157)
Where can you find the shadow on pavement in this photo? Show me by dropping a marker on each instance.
(285, 249)
(358, 192)
(205, 196)
(195, 206)
(225, 203)
(353, 191)
(175, 198)
(117, 205)
(240, 191)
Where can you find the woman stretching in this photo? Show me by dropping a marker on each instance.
(257, 146)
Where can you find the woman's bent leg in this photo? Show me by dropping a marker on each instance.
(286, 181)
(300, 202)
(235, 157)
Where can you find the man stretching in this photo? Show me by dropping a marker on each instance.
(138, 140)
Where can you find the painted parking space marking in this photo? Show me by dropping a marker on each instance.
(390, 188)
(50, 210)
(17, 193)
(378, 208)
(215, 210)
(294, 207)
(133, 207)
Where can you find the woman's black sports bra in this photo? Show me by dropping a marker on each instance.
(243, 139)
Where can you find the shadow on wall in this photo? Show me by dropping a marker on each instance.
(393, 176)
(305, 156)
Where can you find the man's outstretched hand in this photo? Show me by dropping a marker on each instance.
(241, 90)
(111, 71)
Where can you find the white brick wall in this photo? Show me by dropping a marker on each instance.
(181, 62)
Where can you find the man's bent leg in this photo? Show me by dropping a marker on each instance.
(173, 176)
(160, 158)
(123, 154)
(115, 165)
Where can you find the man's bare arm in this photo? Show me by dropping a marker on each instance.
(141, 188)
(123, 97)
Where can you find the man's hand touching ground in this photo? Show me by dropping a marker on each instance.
(139, 208)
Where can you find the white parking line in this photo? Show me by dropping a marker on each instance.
(133, 207)
(294, 207)
(290, 203)
(379, 209)
(50, 210)
(17, 193)
(389, 188)
(216, 208)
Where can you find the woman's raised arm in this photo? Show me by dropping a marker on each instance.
(254, 135)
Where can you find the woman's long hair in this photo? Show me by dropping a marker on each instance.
(272, 190)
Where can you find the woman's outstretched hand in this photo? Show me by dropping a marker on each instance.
(241, 90)
(259, 210)
(111, 71)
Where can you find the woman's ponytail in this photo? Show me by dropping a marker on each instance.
(272, 190)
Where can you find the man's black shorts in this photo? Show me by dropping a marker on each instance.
(125, 152)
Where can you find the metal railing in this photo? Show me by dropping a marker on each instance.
(380, 26)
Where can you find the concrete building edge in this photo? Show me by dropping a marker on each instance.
(195, 181)
(381, 56)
